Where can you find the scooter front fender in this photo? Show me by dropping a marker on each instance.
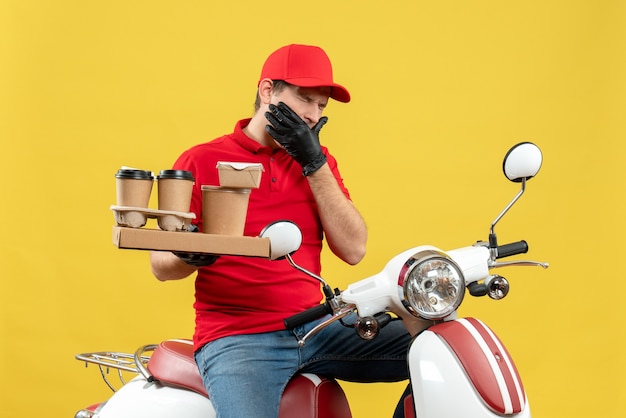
(461, 369)
(142, 399)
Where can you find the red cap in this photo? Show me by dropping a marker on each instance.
(303, 66)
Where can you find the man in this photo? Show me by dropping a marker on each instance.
(245, 355)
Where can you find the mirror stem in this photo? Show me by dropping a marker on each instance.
(305, 271)
(506, 209)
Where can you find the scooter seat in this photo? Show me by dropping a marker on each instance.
(173, 363)
(306, 395)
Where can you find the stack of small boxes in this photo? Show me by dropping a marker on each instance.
(224, 207)
(224, 213)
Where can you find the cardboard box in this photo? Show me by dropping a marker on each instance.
(243, 175)
(155, 239)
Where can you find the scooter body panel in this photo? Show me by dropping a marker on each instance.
(460, 372)
(140, 398)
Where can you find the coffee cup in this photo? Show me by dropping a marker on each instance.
(174, 190)
(174, 194)
(133, 187)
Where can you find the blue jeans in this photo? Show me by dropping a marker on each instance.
(245, 375)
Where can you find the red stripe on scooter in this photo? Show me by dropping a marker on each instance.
(479, 354)
(505, 363)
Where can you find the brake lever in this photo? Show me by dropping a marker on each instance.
(497, 264)
(341, 313)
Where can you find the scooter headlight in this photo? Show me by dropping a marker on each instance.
(431, 285)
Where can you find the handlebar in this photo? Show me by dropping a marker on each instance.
(307, 316)
(506, 250)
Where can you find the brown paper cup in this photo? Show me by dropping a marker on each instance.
(224, 210)
(174, 190)
(133, 187)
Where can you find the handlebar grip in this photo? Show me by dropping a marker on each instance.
(513, 248)
(307, 316)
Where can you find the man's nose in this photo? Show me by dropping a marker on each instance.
(312, 115)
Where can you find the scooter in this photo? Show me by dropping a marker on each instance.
(457, 366)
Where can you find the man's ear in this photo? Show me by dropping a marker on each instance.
(266, 87)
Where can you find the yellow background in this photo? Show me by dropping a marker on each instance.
(440, 89)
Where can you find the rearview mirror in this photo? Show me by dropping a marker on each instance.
(285, 238)
(523, 161)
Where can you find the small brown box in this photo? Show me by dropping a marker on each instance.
(242, 175)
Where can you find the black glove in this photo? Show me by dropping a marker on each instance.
(196, 259)
(300, 141)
